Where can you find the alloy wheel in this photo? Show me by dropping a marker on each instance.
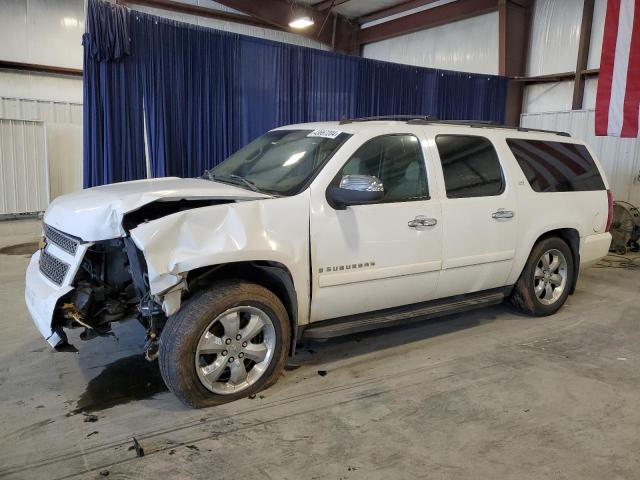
(550, 277)
(235, 350)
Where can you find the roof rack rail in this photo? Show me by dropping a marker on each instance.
(401, 118)
(429, 120)
(485, 124)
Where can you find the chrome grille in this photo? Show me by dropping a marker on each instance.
(63, 241)
(53, 268)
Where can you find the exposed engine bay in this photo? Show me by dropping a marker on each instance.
(111, 285)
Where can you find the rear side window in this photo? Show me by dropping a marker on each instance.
(470, 166)
(556, 166)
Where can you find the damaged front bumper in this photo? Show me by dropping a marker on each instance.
(75, 284)
(41, 297)
(47, 281)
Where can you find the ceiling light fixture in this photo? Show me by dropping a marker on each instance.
(301, 22)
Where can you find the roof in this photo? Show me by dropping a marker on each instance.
(363, 124)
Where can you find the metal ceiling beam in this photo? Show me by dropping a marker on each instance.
(200, 11)
(393, 10)
(549, 78)
(556, 77)
(328, 4)
(433, 17)
(329, 28)
(514, 25)
(583, 53)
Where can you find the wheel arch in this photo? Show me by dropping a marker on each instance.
(273, 276)
(572, 237)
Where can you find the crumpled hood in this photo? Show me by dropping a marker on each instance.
(96, 213)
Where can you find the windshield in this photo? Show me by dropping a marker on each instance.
(281, 162)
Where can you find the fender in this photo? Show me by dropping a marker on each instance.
(260, 230)
(530, 239)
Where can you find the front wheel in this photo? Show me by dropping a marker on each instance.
(546, 280)
(225, 343)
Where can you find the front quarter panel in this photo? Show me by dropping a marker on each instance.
(274, 230)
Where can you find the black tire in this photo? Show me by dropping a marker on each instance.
(182, 332)
(524, 297)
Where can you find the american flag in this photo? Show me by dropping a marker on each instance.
(618, 97)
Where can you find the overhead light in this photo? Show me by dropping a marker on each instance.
(301, 22)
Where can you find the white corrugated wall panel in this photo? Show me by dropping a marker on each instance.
(469, 45)
(590, 91)
(597, 32)
(64, 138)
(555, 34)
(24, 182)
(595, 49)
(60, 88)
(64, 150)
(545, 97)
(620, 157)
(45, 32)
(46, 111)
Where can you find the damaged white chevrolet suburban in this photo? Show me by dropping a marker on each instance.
(320, 230)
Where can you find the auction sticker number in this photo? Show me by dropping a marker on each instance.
(324, 133)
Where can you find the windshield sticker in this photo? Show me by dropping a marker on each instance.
(324, 133)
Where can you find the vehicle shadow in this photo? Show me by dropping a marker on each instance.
(131, 378)
(314, 352)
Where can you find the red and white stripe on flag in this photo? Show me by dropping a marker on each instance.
(618, 97)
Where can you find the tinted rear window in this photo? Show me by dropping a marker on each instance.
(556, 166)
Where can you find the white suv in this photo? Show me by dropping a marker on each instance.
(319, 230)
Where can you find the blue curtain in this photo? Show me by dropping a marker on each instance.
(205, 93)
(113, 128)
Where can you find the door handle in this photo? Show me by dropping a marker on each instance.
(422, 221)
(502, 213)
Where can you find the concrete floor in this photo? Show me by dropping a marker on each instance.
(488, 394)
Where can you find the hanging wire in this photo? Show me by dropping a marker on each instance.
(326, 17)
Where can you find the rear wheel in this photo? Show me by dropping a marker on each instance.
(225, 343)
(546, 280)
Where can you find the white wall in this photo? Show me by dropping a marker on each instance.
(554, 48)
(63, 123)
(40, 86)
(24, 186)
(469, 45)
(42, 32)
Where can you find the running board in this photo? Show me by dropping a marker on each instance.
(403, 315)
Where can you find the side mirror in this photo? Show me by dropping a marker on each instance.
(355, 190)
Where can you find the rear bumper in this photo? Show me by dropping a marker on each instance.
(41, 297)
(593, 248)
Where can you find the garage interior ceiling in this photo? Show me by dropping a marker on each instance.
(363, 11)
(344, 25)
